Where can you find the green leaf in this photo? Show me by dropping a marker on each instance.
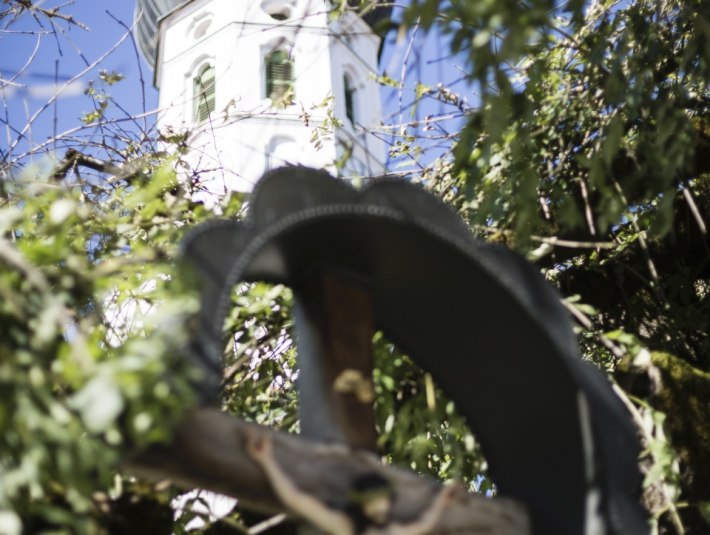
(99, 402)
(110, 77)
(704, 508)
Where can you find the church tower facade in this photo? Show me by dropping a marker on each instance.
(264, 83)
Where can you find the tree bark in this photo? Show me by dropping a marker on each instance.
(209, 450)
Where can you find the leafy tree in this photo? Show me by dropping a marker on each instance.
(585, 148)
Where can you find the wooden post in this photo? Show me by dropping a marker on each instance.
(334, 329)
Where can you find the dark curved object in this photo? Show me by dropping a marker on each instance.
(479, 318)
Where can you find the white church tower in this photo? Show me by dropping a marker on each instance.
(260, 84)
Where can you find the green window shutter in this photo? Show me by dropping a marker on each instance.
(349, 99)
(279, 75)
(204, 90)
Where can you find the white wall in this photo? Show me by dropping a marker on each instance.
(354, 50)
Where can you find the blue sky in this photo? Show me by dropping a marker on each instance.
(29, 61)
(68, 54)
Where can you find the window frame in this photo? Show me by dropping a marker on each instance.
(270, 86)
(350, 100)
(204, 94)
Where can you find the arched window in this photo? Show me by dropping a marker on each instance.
(201, 29)
(349, 94)
(278, 9)
(204, 93)
(279, 77)
(282, 150)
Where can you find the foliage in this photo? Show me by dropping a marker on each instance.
(78, 389)
(418, 426)
(607, 119)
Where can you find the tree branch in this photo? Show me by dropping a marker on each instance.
(210, 450)
(73, 158)
(52, 13)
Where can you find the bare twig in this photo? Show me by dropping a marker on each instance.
(587, 207)
(74, 158)
(405, 63)
(138, 63)
(694, 210)
(585, 322)
(52, 13)
(655, 282)
(552, 240)
(267, 524)
(646, 439)
(56, 95)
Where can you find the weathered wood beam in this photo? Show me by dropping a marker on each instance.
(209, 450)
(335, 323)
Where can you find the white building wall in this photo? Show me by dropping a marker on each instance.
(354, 50)
(246, 134)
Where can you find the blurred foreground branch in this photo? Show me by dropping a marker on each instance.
(210, 450)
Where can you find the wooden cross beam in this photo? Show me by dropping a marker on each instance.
(210, 450)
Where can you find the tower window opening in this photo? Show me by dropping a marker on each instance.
(279, 77)
(349, 94)
(204, 93)
(280, 15)
(282, 150)
(278, 9)
(201, 29)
